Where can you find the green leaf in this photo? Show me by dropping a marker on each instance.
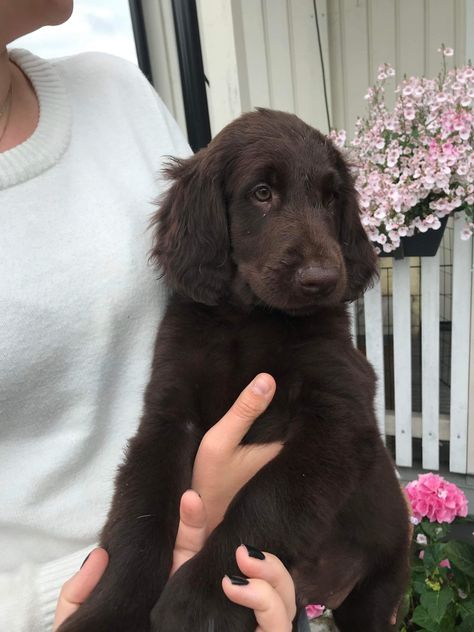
(417, 564)
(437, 602)
(419, 586)
(448, 624)
(422, 618)
(467, 624)
(434, 553)
(461, 554)
(465, 607)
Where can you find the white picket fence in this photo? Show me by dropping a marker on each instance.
(430, 426)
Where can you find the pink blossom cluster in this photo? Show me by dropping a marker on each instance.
(414, 164)
(433, 497)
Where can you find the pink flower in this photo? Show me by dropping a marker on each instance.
(416, 154)
(314, 610)
(432, 497)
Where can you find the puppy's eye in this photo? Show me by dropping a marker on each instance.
(262, 193)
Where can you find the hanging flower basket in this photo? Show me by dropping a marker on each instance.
(420, 244)
(414, 163)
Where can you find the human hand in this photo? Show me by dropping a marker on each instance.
(76, 590)
(223, 466)
(192, 533)
(269, 589)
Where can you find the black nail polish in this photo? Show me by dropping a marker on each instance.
(85, 560)
(237, 580)
(253, 552)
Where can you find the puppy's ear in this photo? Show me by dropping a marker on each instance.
(359, 254)
(191, 241)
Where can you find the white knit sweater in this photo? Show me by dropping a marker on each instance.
(79, 306)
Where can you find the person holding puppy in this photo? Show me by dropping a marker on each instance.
(81, 142)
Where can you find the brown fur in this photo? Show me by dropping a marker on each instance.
(258, 285)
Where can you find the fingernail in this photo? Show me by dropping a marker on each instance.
(85, 560)
(253, 552)
(261, 385)
(237, 580)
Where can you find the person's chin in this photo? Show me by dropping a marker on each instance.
(59, 11)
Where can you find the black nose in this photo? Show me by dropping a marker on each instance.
(317, 279)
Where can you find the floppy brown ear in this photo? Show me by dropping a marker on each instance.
(359, 254)
(191, 241)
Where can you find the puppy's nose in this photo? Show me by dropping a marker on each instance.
(317, 279)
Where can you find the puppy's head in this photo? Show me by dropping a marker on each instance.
(266, 214)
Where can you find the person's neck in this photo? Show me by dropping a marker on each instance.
(5, 75)
(24, 114)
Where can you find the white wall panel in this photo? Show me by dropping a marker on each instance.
(277, 55)
(158, 17)
(219, 52)
(405, 33)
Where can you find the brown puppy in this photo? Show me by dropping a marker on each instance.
(259, 239)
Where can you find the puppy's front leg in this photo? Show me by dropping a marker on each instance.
(141, 528)
(287, 508)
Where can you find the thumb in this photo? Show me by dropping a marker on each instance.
(192, 529)
(76, 590)
(251, 403)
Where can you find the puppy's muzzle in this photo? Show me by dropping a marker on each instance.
(317, 279)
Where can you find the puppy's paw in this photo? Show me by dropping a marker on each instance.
(196, 602)
(93, 619)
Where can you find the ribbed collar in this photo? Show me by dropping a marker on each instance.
(51, 137)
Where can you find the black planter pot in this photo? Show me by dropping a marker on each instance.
(420, 245)
(463, 531)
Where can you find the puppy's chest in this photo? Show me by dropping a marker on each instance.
(232, 355)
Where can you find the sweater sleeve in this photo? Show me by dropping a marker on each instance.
(28, 595)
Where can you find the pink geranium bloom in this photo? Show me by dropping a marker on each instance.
(314, 610)
(432, 497)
